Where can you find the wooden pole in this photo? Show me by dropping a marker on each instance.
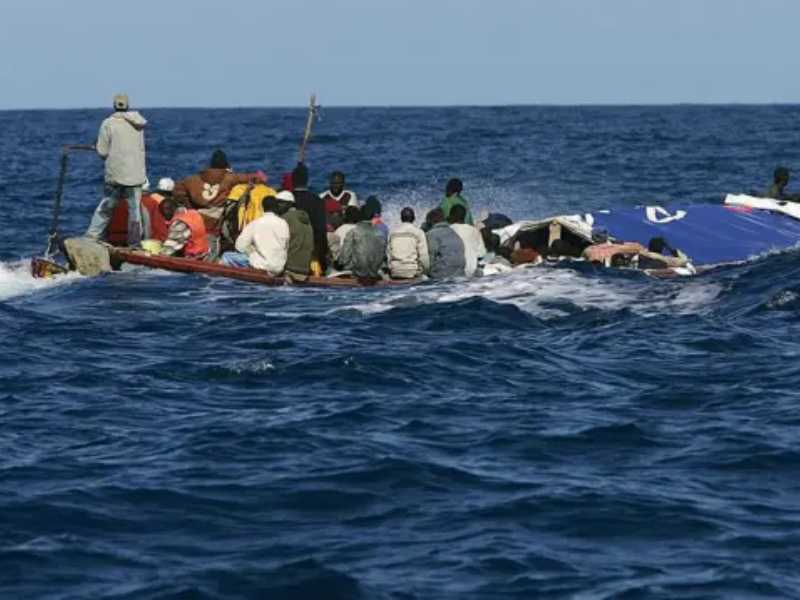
(312, 111)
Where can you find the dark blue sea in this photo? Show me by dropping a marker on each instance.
(546, 434)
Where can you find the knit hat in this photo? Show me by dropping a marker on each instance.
(285, 196)
(300, 177)
(219, 160)
(375, 205)
(122, 102)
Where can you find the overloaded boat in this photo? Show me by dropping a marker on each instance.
(713, 235)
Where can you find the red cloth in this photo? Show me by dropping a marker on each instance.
(332, 206)
(286, 182)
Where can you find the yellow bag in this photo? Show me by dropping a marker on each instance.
(254, 208)
(316, 268)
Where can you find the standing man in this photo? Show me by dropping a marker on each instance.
(314, 207)
(120, 144)
(453, 197)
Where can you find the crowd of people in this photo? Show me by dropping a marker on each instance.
(292, 232)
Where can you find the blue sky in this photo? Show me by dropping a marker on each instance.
(78, 53)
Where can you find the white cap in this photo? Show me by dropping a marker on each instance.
(166, 185)
(285, 196)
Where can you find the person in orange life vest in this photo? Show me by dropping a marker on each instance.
(187, 231)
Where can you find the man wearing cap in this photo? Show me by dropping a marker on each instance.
(120, 143)
(301, 238)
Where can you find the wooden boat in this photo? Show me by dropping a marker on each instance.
(182, 265)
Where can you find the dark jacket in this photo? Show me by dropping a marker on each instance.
(301, 242)
(448, 255)
(364, 251)
(314, 207)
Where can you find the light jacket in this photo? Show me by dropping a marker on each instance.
(266, 242)
(364, 251)
(120, 143)
(446, 248)
(408, 252)
(474, 248)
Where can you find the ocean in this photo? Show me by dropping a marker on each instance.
(552, 433)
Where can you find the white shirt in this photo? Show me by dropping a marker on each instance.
(353, 197)
(266, 242)
(474, 248)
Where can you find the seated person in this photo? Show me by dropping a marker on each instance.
(264, 243)
(364, 249)
(492, 262)
(208, 191)
(338, 194)
(778, 190)
(186, 232)
(654, 258)
(408, 248)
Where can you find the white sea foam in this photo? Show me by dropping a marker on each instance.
(16, 280)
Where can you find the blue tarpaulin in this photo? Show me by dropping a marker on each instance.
(709, 234)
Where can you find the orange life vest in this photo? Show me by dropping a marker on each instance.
(197, 246)
(118, 227)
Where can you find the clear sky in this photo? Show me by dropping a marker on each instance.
(215, 53)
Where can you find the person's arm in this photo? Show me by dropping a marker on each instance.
(103, 146)
(424, 255)
(177, 237)
(181, 193)
(244, 243)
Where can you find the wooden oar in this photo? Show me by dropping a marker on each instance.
(313, 111)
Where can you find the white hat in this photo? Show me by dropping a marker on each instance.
(285, 196)
(166, 185)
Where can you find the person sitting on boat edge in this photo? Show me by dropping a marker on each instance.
(300, 252)
(474, 248)
(453, 197)
(337, 193)
(446, 248)
(492, 262)
(264, 243)
(207, 192)
(121, 144)
(364, 249)
(352, 217)
(377, 220)
(654, 258)
(778, 190)
(408, 248)
(314, 207)
(186, 234)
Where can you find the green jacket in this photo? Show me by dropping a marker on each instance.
(301, 242)
(448, 203)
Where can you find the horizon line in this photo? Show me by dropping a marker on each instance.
(415, 106)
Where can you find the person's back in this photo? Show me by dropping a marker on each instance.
(408, 249)
(474, 248)
(352, 217)
(445, 247)
(364, 249)
(266, 241)
(314, 207)
(301, 237)
(452, 198)
(121, 143)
